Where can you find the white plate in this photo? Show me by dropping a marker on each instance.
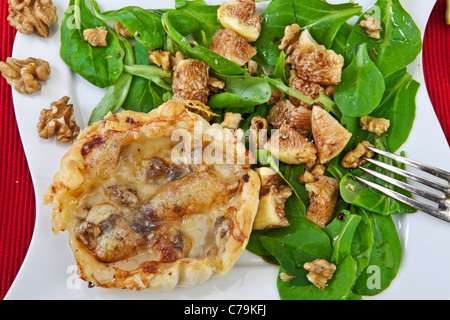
(48, 271)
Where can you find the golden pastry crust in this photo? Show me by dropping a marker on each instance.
(99, 158)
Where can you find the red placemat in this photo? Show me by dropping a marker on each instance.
(17, 202)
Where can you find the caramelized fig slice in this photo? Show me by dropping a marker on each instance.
(330, 137)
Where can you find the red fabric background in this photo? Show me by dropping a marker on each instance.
(17, 201)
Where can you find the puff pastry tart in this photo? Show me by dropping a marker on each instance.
(146, 207)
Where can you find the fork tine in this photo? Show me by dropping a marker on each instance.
(407, 200)
(425, 194)
(432, 184)
(421, 166)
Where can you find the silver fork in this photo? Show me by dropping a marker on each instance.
(441, 201)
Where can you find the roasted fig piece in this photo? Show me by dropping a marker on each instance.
(323, 196)
(190, 80)
(284, 112)
(273, 195)
(330, 137)
(290, 146)
(313, 62)
(240, 17)
(232, 46)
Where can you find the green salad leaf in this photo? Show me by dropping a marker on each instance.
(101, 66)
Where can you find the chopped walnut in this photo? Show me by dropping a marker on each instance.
(353, 158)
(190, 80)
(22, 74)
(58, 119)
(375, 125)
(215, 85)
(258, 132)
(160, 58)
(306, 177)
(276, 95)
(231, 120)
(289, 41)
(174, 61)
(320, 271)
(252, 69)
(96, 37)
(372, 26)
(308, 88)
(122, 30)
(29, 15)
(232, 46)
(286, 277)
(313, 62)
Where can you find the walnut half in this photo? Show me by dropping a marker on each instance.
(22, 74)
(320, 271)
(96, 37)
(58, 119)
(29, 15)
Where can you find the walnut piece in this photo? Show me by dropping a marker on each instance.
(122, 30)
(375, 125)
(353, 158)
(289, 41)
(231, 120)
(372, 26)
(22, 74)
(258, 132)
(276, 95)
(215, 85)
(320, 271)
(58, 119)
(96, 37)
(191, 80)
(160, 58)
(30, 15)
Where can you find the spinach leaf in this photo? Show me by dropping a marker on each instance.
(385, 257)
(101, 66)
(144, 95)
(341, 232)
(400, 41)
(399, 106)
(295, 206)
(144, 25)
(218, 63)
(118, 92)
(205, 16)
(338, 287)
(301, 237)
(241, 92)
(280, 70)
(362, 86)
(322, 19)
(340, 41)
(180, 3)
(362, 240)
